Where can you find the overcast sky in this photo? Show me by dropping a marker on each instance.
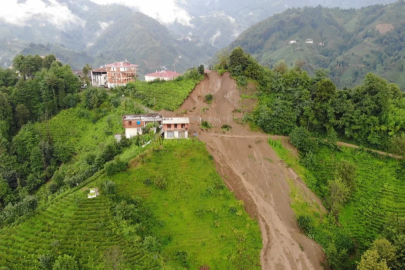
(165, 11)
(20, 11)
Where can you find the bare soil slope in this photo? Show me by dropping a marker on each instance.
(254, 172)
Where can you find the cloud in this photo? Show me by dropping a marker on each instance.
(165, 11)
(18, 12)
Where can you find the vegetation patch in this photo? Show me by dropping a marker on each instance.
(197, 213)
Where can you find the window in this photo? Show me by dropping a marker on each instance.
(170, 134)
(130, 123)
(183, 125)
(175, 125)
(169, 125)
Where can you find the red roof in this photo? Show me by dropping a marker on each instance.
(164, 74)
(121, 64)
(99, 70)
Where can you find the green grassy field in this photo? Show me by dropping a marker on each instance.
(200, 216)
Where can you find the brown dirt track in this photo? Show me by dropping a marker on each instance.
(254, 172)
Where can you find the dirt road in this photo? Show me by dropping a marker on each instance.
(254, 172)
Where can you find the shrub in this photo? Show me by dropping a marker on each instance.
(53, 187)
(242, 81)
(208, 98)
(65, 262)
(205, 125)
(46, 261)
(301, 138)
(226, 127)
(151, 244)
(305, 223)
(182, 257)
(109, 187)
(115, 166)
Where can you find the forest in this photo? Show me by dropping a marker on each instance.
(348, 42)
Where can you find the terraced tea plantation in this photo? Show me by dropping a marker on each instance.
(162, 95)
(201, 222)
(379, 195)
(75, 225)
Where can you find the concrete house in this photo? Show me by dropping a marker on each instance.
(115, 74)
(166, 75)
(133, 123)
(309, 41)
(292, 42)
(176, 127)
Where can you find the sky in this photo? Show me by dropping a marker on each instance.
(165, 11)
(18, 12)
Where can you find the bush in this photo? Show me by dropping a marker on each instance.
(65, 263)
(305, 223)
(46, 261)
(242, 81)
(205, 125)
(115, 166)
(208, 98)
(226, 127)
(151, 244)
(301, 138)
(182, 257)
(109, 187)
(53, 187)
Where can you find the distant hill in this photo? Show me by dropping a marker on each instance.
(350, 43)
(100, 34)
(220, 22)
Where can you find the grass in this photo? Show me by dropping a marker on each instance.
(200, 216)
(167, 95)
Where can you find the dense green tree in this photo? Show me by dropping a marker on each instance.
(346, 170)
(48, 60)
(338, 194)
(385, 250)
(370, 260)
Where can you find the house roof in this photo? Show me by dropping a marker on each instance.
(143, 117)
(164, 74)
(176, 120)
(99, 70)
(121, 64)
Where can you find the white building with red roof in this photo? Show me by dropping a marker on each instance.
(115, 74)
(166, 75)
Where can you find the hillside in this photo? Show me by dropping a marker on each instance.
(349, 43)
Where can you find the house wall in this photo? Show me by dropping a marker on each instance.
(98, 79)
(176, 133)
(172, 127)
(117, 76)
(133, 123)
(151, 78)
(131, 132)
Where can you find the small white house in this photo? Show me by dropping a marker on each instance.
(176, 127)
(93, 193)
(309, 41)
(166, 75)
(292, 42)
